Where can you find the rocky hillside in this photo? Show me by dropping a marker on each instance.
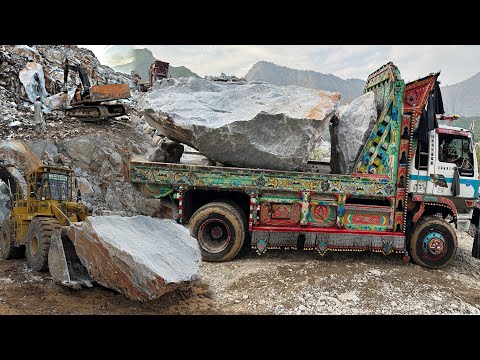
(143, 58)
(282, 75)
(463, 98)
(97, 152)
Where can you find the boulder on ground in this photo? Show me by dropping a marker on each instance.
(142, 257)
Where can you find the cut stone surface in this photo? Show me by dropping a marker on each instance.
(257, 125)
(349, 130)
(33, 81)
(142, 257)
(18, 153)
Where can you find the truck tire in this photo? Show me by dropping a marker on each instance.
(39, 233)
(7, 244)
(220, 229)
(433, 243)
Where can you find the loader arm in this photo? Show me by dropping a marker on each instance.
(59, 215)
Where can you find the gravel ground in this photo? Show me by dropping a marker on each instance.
(278, 282)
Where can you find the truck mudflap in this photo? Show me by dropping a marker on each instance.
(329, 240)
(64, 263)
(476, 245)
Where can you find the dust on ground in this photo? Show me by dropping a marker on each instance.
(278, 282)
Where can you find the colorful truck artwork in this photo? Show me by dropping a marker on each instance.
(412, 180)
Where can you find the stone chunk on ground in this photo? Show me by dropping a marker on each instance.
(256, 124)
(349, 130)
(142, 257)
(167, 151)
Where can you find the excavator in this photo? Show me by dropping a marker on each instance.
(90, 102)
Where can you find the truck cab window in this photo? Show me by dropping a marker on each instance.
(455, 149)
(421, 156)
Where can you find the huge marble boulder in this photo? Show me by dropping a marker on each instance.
(141, 257)
(349, 130)
(254, 124)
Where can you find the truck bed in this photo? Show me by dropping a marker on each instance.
(230, 178)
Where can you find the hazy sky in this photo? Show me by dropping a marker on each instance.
(456, 62)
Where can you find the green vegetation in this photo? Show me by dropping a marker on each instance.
(464, 122)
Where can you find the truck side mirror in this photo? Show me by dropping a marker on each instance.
(76, 183)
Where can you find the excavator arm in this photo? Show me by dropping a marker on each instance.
(81, 72)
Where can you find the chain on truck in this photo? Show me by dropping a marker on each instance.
(413, 183)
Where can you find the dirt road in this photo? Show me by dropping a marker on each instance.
(279, 282)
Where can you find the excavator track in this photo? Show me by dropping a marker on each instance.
(96, 112)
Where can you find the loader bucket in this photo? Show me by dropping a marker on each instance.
(64, 263)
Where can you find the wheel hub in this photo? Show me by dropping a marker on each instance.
(217, 232)
(214, 235)
(434, 245)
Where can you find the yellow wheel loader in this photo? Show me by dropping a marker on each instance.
(34, 227)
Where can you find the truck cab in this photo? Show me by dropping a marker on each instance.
(447, 167)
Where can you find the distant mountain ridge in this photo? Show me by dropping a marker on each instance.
(143, 58)
(463, 98)
(282, 76)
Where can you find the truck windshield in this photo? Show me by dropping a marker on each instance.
(56, 187)
(455, 149)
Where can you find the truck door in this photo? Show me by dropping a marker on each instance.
(454, 149)
(420, 166)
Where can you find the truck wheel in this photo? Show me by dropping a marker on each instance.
(433, 243)
(7, 244)
(220, 230)
(38, 242)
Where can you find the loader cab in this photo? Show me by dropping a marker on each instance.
(48, 183)
(450, 150)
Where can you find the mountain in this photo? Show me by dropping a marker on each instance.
(463, 98)
(282, 75)
(141, 61)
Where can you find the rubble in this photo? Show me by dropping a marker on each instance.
(223, 77)
(349, 130)
(256, 124)
(141, 257)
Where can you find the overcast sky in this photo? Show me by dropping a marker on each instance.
(456, 62)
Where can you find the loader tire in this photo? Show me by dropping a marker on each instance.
(7, 244)
(39, 233)
(220, 229)
(433, 243)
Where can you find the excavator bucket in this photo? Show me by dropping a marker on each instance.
(64, 263)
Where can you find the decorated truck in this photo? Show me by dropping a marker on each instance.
(413, 182)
